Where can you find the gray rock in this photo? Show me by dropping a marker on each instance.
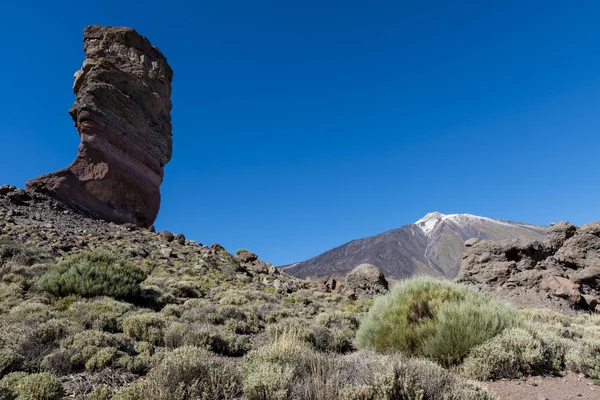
(364, 281)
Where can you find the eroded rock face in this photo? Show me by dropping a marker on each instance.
(122, 113)
(566, 265)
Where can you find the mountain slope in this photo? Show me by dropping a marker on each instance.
(433, 246)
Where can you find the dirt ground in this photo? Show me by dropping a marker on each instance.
(569, 386)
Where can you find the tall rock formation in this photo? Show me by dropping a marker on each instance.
(122, 113)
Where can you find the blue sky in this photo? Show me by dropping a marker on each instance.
(300, 125)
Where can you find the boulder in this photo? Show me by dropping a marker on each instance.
(167, 236)
(559, 233)
(247, 257)
(180, 238)
(366, 280)
(122, 113)
(561, 287)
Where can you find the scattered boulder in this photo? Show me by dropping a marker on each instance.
(166, 252)
(166, 235)
(247, 256)
(5, 189)
(366, 280)
(180, 238)
(216, 247)
(122, 113)
(18, 196)
(561, 287)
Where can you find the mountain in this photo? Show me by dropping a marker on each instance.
(433, 246)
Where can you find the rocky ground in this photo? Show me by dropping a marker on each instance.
(561, 272)
(568, 387)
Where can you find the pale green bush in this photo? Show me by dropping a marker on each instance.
(147, 327)
(42, 386)
(512, 354)
(187, 373)
(437, 319)
(584, 358)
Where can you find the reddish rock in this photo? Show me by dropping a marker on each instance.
(247, 256)
(122, 113)
(561, 287)
(216, 247)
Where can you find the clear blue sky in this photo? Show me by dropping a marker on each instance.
(300, 125)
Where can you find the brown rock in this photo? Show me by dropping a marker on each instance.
(247, 256)
(180, 238)
(559, 233)
(561, 287)
(166, 235)
(18, 196)
(122, 114)
(216, 247)
(260, 267)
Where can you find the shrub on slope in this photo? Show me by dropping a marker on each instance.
(94, 274)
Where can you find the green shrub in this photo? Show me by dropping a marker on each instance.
(584, 358)
(207, 337)
(103, 313)
(147, 327)
(94, 274)
(87, 350)
(187, 373)
(437, 319)
(100, 392)
(10, 360)
(240, 251)
(512, 354)
(290, 369)
(42, 386)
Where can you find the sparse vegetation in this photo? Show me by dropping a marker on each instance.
(199, 325)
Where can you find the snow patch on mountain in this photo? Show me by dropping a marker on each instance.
(429, 223)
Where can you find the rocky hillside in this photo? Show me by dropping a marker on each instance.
(433, 246)
(562, 272)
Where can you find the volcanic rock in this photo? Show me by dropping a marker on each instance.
(167, 236)
(247, 256)
(366, 280)
(122, 113)
(565, 265)
(561, 287)
(180, 238)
